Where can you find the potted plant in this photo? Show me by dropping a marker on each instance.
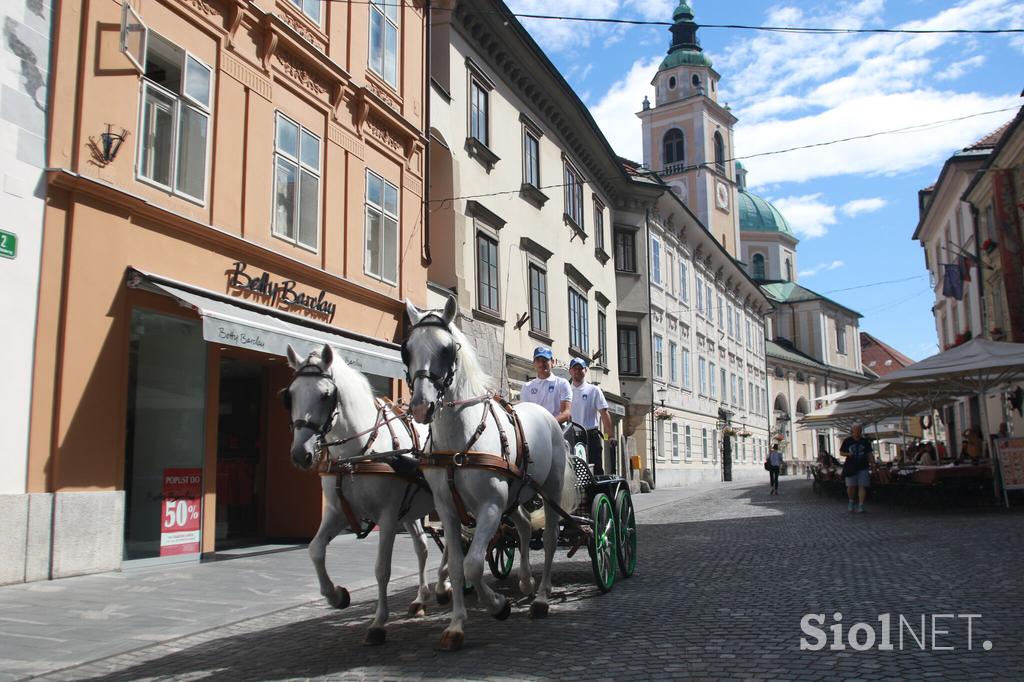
(661, 413)
(728, 432)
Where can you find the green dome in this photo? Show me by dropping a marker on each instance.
(682, 12)
(685, 46)
(757, 215)
(684, 57)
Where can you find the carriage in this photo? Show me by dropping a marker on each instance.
(604, 520)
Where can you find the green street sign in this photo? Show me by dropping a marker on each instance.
(8, 244)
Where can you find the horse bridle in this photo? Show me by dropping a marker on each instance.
(320, 430)
(441, 384)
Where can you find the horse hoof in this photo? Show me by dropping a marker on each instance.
(340, 599)
(375, 636)
(504, 612)
(417, 610)
(443, 598)
(452, 641)
(538, 610)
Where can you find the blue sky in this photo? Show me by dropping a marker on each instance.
(853, 205)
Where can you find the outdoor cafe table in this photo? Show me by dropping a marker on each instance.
(930, 475)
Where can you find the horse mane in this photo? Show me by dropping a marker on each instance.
(470, 379)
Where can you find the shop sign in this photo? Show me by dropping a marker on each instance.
(8, 244)
(1011, 462)
(181, 511)
(282, 294)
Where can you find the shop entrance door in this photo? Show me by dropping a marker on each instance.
(241, 453)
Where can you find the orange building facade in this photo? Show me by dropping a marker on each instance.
(225, 178)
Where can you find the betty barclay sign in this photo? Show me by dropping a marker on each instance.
(281, 294)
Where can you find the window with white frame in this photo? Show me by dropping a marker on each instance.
(723, 385)
(728, 314)
(625, 250)
(478, 118)
(841, 336)
(296, 183)
(574, 195)
(381, 240)
(531, 158)
(670, 272)
(538, 299)
(673, 364)
(655, 261)
(740, 392)
(659, 357)
(684, 288)
(687, 443)
(732, 388)
(721, 325)
(749, 337)
(739, 333)
(579, 323)
(700, 296)
(702, 375)
(712, 378)
(487, 273)
(703, 443)
(686, 369)
(311, 8)
(750, 392)
(384, 39)
(675, 440)
(175, 119)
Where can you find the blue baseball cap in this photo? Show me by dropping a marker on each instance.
(578, 362)
(543, 352)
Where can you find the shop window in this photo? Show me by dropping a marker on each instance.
(538, 299)
(165, 436)
(381, 258)
(579, 323)
(296, 183)
(384, 40)
(311, 8)
(175, 119)
(487, 273)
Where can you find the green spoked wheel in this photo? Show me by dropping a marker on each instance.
(501, 555)
(625, 529)
(602, 543)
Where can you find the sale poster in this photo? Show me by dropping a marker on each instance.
(181, 511)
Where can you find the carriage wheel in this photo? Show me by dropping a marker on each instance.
(625, 529)
(501, 555)
(602, 544)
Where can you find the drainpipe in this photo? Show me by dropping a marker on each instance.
(427, 259)
(650, 339)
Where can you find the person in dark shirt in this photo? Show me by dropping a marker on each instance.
(856, 468)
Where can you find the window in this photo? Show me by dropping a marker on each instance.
(684, 287)
(487, 273)
(655, 261)
(538, 299)
(381, 258)
(758, 261)
(723, 385)
(598, 224)
(732, 388)
(740, 392)
(700, 295)
(721, 308)
(625, 251)
(673, 365)
(297, 184)
(311, 8)
(702, 373)
(629, 350)
(719, 153)
(687, 444)
(531, 159)
(736, 324)
(703, 443)
(675, 440)
(686, 369)
(789, 270)
(602, 337)
(478, 111)
(750, 391)
(841, 336)
(175, 112)
(670, 272)
(659, 357)
(579, 324)
(673, 149)
(384, 40)
(574, 195)
(711, 380)
(714, 444)
(728, 314)
(749, 337)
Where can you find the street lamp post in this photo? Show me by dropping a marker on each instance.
(661, 393)
(724, 417)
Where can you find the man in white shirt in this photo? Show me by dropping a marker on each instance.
(588, 405)
(550, 392)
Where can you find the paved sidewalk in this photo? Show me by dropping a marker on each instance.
(47, 626)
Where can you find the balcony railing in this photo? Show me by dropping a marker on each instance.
(673, 169)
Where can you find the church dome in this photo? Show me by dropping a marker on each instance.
(685, 48)
(757, 214)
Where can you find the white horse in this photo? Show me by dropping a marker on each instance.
(450, 391)
(331, 401)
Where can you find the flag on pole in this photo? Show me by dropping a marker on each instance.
(953, 281)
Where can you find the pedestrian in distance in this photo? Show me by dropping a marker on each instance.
(857, 468)
(589, 406)
(773, 464)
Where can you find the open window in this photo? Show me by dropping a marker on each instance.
(134, 34)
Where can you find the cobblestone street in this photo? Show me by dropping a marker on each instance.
(724, 578)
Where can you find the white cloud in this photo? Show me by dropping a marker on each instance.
(615, 112)
(821, 267)
(808, 215)
(854, 208)
(959, 67)
(561, 36)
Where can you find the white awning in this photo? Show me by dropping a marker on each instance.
(230, 324)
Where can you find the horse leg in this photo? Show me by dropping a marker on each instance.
(331, 524)
(522, 521)
(443, 588)
(419, 544)
(539, 607)
(386, 538)
(487, 521)
(454, 635)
